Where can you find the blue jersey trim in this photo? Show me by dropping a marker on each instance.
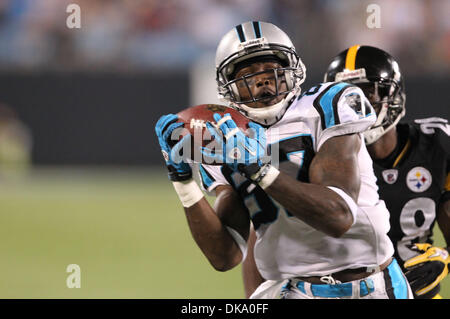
(329, 105)
(206, 177)
(296, 152)
(290, 137)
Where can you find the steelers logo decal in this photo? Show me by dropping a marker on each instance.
(418, 179)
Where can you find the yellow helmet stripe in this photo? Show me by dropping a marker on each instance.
(351, 57)
(447, 183)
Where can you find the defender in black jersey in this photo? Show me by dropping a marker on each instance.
(411, 162)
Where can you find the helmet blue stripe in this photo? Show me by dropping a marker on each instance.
(240, 33)
(257, 29)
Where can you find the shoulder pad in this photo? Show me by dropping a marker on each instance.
(335, 107)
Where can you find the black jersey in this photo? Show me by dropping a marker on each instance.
(413, 185)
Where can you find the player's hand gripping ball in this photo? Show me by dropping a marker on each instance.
(195, 121)
(179, 169)
(241, 152)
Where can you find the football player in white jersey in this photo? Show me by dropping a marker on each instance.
(321, 228)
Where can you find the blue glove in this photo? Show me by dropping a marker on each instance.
(179, 170)
(238, 151)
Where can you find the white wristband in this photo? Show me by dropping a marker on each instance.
(350, 202)
(188, 192)
(269, 177)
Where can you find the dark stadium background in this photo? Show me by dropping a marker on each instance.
(108, 119)
(92, 190)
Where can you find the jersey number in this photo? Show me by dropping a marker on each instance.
(261, 207)
(416, 219)
(313, 90)
(428, 125)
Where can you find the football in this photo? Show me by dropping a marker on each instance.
(195, 118)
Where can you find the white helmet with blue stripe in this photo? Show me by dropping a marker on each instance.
(258, 39)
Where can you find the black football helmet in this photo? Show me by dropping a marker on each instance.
(377, 73)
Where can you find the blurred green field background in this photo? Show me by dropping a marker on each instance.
(125, 228)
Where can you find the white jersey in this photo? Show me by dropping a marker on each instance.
(287, 247)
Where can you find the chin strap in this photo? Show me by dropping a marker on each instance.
(377, 130)
(267, 115)
(373, 135)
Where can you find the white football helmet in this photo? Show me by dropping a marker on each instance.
(263, 40)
